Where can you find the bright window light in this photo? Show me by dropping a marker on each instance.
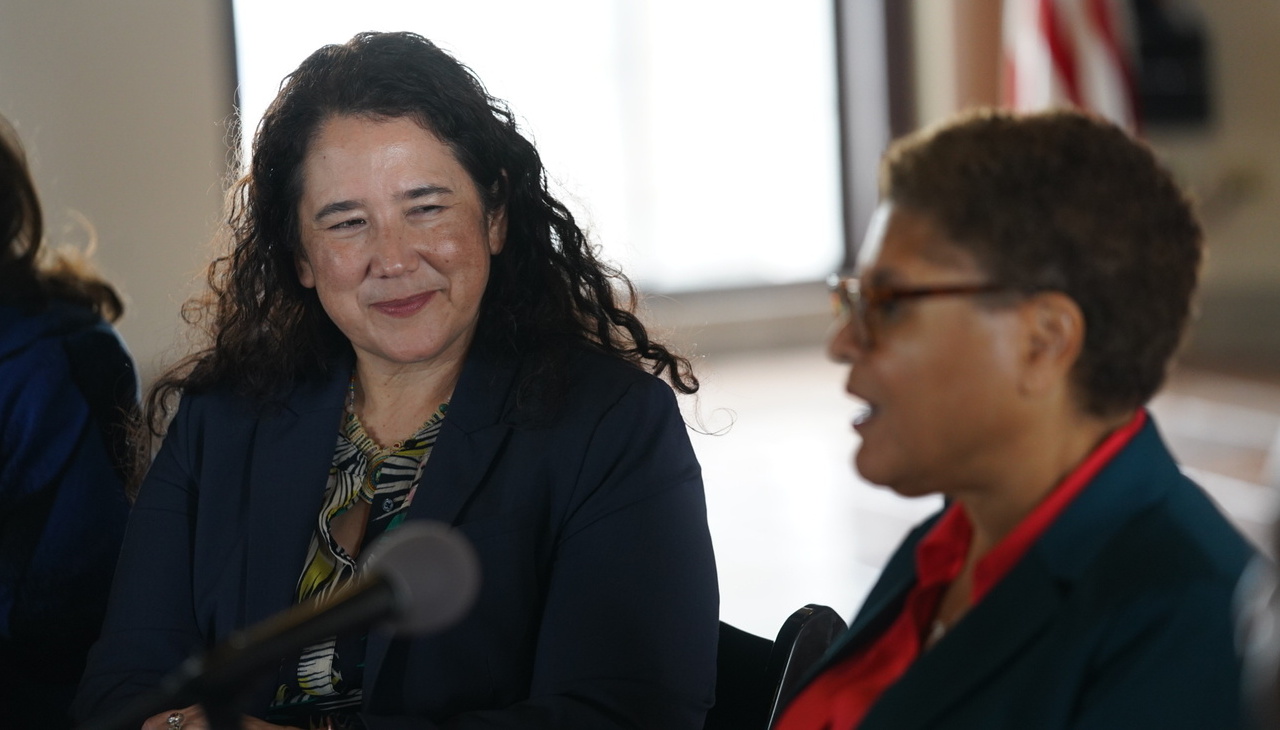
(695, 139)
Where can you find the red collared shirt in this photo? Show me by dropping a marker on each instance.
(840, 697)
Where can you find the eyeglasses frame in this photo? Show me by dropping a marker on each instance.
(850, 299)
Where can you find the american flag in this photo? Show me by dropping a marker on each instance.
(1077, 53)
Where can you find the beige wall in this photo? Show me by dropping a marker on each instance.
(957, 65)
(1234, 168)
(121, 105)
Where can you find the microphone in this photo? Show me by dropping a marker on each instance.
(419, 578)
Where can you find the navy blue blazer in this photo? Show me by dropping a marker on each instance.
(1119, 616)
(599, 602)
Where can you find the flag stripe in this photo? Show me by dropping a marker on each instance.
(1061, 50)
(1070, 53)
(1104, 16)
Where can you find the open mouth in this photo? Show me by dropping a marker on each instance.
(866, 415)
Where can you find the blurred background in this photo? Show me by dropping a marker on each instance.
(723, 152)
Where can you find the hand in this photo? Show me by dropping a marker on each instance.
(193, 718)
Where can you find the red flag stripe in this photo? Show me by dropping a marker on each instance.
(1060, 50)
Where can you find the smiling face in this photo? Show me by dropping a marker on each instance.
(941, 378)
(395, 240)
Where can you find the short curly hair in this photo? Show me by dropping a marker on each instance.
(1065, 201)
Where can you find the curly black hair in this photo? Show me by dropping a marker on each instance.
(547, 290)
(1069, 202)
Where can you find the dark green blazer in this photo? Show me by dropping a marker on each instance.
(1119, 616)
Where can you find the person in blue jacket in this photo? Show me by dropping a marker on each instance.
(67, 389)
(1016, 303)
(408, 326)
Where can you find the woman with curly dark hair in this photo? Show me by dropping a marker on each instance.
(408, 326)
(67, 386)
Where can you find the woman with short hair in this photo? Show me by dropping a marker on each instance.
(1016, 304)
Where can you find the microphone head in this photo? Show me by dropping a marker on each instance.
(433, 571)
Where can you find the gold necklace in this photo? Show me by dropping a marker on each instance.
(353, 422)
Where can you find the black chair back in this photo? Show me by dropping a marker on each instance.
(801, 643)
(756, 676)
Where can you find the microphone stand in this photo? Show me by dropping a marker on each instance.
(216, 679)
(420, 564)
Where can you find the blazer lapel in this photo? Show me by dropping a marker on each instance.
(882, 607)
(983, 643)
(288, 472)
(1029, 598)
(469, 441)
(886, 596)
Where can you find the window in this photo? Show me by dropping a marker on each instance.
(697, 140)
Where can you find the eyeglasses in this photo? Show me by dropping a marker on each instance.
(867, 306)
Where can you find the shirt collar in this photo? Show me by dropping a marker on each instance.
(941, 554)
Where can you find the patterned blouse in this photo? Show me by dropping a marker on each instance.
(327, 677)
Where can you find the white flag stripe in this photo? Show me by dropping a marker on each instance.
(1070, 53)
